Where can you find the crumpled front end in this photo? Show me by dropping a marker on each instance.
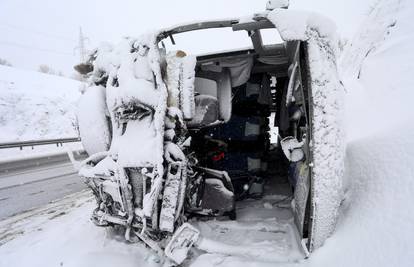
(148, 181)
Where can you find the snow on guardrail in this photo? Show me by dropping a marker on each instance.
(32, 143)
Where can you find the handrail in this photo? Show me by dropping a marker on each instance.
(33, 143)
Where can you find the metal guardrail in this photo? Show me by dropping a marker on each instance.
(32, 143)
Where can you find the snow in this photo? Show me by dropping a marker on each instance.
(133, 78)
(36, 106)
(174, 65)
(92, 121)
(187, 91)
(134, 85)
(61, 234)
(327, 142)
(295, 24)
(133, 74)
(170, 201)
(380, 54)
(375, 227)
(180, 82)
(105, 165)
(377, 26)
(17, 154)
(260, 234)
(273, 4)
(376, 216)
(292, 79)
(292, 149)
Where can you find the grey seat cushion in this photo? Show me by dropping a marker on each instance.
(217, 197)
(206, 111)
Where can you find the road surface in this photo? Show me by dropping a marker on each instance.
(24, 188)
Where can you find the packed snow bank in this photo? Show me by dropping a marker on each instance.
(36, 106)
(377, 216)
(378, 66)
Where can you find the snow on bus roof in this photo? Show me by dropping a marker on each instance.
(294, 24)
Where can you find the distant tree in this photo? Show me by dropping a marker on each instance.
(43, 68)
(4, 62)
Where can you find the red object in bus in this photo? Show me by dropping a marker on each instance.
(218, 157)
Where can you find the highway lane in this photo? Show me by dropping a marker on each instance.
(25, 189)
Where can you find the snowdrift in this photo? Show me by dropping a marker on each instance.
(377, 214)
(36, 106)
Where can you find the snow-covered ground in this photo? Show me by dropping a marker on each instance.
(61, 234)
(375, 228)
(36, 106)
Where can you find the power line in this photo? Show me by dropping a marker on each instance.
(24, 46)
(24, 29)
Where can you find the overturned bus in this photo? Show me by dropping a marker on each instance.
(174, 139)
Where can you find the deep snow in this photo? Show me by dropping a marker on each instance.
(375, 228)
(36, 106)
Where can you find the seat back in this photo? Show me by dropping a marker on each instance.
(213, 104)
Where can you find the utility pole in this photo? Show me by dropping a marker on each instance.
(82, 56)
(81, 46)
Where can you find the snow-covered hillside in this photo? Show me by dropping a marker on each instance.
(36, 106)
(377, 67)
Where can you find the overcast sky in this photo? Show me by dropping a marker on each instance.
(34, 32)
